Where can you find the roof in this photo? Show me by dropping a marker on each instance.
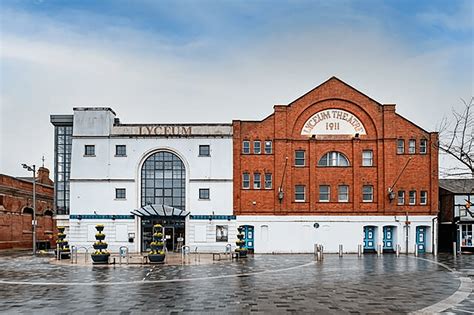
(458, 185)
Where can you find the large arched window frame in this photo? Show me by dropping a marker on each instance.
(163, 180)
(334, 159)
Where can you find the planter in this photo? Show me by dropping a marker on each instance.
(156, 258)
(99, 228)
(100, 258)
(156, 248)
(242, 253)
(100, 236)
(100, 245)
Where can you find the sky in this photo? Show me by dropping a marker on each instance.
(214, 61)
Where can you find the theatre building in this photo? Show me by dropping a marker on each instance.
(132, 176)
(335, 167)
(332, 167)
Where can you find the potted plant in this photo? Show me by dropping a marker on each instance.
(241, 250)
(62, 245)
(157, 254)
(100, 255)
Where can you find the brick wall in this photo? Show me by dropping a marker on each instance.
(16, 203)
(383, 127)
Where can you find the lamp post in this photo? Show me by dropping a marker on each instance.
(33, 169)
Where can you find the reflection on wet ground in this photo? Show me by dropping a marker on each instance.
(263, 283)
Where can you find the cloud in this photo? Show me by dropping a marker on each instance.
(149, 77)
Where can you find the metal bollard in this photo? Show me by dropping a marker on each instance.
(455, 249)
(359, 250)
(397, 251)
(379, 250)
(340, 250)
(435, 250)
(321, 249)
(416, 250)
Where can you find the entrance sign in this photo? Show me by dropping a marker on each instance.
(333, 122)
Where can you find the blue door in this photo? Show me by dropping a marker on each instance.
(369, 238)
(421, 239)
(388, 238)
(248, 237)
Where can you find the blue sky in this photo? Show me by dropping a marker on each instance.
(188, 61)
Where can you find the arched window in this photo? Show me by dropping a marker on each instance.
(163, 180)
(333, 158)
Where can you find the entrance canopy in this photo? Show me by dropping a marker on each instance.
(159, 211)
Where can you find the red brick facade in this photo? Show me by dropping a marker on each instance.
(16, 211)
(383, 127)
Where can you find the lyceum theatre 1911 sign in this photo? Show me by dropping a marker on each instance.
(333, 122)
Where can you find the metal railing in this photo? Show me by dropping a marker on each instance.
(123, 253)
(185, 251)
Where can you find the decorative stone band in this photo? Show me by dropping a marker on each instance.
(333, 122)
(100, 217)
(212, 217)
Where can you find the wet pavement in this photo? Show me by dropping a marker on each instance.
(261, 283)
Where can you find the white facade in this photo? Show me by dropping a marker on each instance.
(298, 234)
(94, 178)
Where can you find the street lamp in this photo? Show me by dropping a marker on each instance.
(33, 169)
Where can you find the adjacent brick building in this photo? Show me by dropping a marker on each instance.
(336, 155)
(16, 211)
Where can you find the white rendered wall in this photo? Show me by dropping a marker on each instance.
(296, 234)
(81, 233)
(207, 242)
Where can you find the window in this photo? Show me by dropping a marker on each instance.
(401, 197)
(400, 146)
(257, 149)
(324, 193)
(412, 146)
(367, 193)
(89, 150)
(268, 180)
(245, 147)
(268, 147)
(412, 197)
(299, 193)
(203, 193)
(120, 193)
(466, 235)
(343, 193)
(423, 146)
(423, 197)
(333, 159)
(204, 150)
(120, 150)
(299, 158)
(163, 181)
(367, 158)
(222, 232)
(246, 180)
(256, 181)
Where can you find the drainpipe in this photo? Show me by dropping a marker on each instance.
(434, 241)
(407, 225)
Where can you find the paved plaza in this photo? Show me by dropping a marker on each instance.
(261, 283)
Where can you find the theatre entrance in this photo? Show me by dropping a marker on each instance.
(174, 231)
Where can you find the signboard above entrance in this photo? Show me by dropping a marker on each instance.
(333, 122)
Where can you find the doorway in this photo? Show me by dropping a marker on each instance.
(388, 239)
(174, 232)
(421, 239)
(369, 239)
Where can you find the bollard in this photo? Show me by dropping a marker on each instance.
(340, 250)
(435, 250)
(397, 251)
(379, 250)
(316, 249)
(359, 250)
(455, 250)
(416, 250)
